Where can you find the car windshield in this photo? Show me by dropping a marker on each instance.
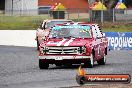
(70, 32)
(52, 23)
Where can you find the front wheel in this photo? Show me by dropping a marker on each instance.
(102, 61)
(90, 62)
(43, 65)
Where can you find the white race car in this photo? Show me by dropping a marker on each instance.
(44, 28)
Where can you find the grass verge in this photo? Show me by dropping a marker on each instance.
(117, 27)
(32, 22)
(20, 22)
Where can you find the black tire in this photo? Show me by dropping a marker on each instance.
(68, 64)
(106, 51)
(43, 65)
(102, 61)
(90, 62)
(37, 44)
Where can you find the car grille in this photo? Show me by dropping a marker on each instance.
(62, 50)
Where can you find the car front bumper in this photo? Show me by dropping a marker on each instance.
(64, 59)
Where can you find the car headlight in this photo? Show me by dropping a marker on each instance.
(82, 49)
(45, 50)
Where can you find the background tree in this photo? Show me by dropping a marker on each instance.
(110, 3)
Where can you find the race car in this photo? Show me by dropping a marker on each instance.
(76, 43)
(43, 29)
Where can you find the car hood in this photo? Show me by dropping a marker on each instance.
(66, 42)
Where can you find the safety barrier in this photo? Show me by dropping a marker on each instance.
(119, 40)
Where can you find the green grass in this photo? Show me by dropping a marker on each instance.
(32, 22)
(121, 29)
(20, 22)
(117, 27)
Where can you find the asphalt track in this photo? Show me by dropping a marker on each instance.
(19, 69)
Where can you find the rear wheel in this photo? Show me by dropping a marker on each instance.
(102, 61)
(43, 65)
(90, 62)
